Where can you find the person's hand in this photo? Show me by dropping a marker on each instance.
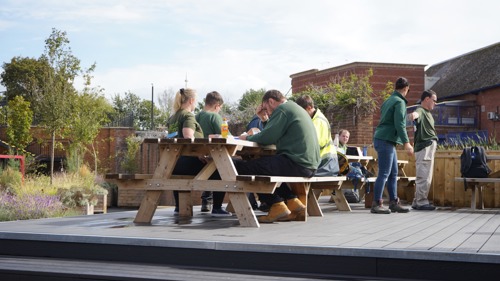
(408, 148)
(253, 131)
(243, 136)
(412, 116)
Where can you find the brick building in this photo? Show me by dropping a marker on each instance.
(473, 77)
(362, 128)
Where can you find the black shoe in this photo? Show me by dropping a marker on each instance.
(264, 207)
(426, 207)
(206, 205)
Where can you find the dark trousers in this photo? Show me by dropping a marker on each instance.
(192, 165)
(276, 165)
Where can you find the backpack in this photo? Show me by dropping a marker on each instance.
(343, 163)
(473, 163)
(355, 175)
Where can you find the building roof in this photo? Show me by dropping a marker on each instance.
(470, 73)
(352, 65)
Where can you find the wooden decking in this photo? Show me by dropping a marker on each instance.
(448, 242)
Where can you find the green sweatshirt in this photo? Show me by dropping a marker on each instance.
(425, 129)
(392, 125)
(291, 129)
(210, 122)
(184, 119)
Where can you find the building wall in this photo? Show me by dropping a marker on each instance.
(362, 128)
(489, 101)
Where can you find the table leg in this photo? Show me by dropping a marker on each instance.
(148, 206)
(313, 208)
(341, 201)
(473, 198)
(243, 209)
(481, 202)
(185, 204)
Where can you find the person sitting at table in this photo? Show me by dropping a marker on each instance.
(343, 139)
(256, 123)
(329, 165)
(210, 122)
(184, 122)
(290, 128)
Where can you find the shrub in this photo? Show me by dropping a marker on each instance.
(10, 180)
(29, 206)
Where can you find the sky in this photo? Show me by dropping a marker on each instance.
(234, 46)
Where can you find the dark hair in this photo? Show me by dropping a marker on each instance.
(305, 101)
(427, 94)
(214, 98)
(273, 94)
(401, 83)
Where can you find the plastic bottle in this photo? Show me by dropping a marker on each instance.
(224, 128)
(336, 141)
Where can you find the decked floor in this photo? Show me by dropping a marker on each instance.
(445, 244)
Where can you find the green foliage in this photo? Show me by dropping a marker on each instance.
(58, 94)
(24, 77)
(10, 180)
(19, 119)
(245, 110)
(354, 94)
(90, 113)
(346, 96)
(129, 164)
(80, 196)
(141, 109)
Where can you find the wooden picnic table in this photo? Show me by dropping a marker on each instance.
(220, 152)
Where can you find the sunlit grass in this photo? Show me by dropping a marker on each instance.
(35, 197)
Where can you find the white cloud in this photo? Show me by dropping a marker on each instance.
(232, 46)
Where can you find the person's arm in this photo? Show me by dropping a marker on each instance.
(188, 133)
(273, 130)
(400, 125)
(400, 121)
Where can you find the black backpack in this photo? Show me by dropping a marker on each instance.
(473, 163)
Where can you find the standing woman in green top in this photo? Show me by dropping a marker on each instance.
(390, 132)
(184, 123)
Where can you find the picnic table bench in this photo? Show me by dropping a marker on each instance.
(479, 184)
(302, 186)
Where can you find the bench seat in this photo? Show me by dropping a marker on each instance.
(129, 176)
(289, 179)
(479, 184)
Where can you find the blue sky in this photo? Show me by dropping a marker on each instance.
(233, 46)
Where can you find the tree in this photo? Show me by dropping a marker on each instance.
(24, 77)
(19, 119)
(90, 113)
(127, 105)
(248, 103)
(166, 102)
(57, 95)
(141, 110)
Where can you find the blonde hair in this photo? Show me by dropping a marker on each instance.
(182, 97)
